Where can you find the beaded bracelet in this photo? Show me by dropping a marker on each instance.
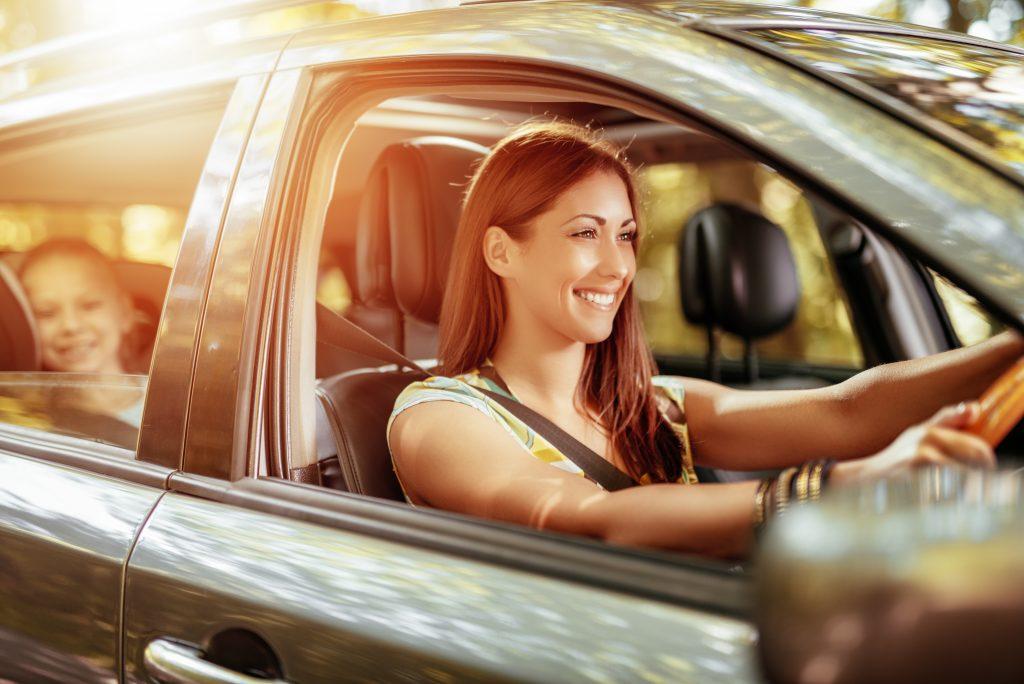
(793, 485)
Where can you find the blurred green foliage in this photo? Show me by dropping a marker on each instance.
(24, 22)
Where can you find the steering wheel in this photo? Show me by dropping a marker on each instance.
(1002, 406)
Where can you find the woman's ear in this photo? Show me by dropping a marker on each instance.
(498, 251)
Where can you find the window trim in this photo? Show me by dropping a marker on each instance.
(81, 454)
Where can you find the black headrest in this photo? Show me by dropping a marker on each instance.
(19, 341)
(736, 272)
(407, 222)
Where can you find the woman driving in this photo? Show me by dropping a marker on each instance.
(541, 308)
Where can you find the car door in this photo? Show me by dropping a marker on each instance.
(234, 573)
(79, 474)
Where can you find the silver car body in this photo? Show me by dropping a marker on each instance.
(107, 552)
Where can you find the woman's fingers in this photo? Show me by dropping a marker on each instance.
(962, 447)
(958, 417)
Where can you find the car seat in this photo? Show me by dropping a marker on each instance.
(408, 219)
(19, 340)
(737, 274)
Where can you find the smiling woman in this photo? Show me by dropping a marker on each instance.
(541, 275)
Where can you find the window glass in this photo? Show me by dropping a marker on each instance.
(90, 223)
(971, 322)
(820, 334)
(974, 89)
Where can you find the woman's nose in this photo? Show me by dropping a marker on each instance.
(615, 258)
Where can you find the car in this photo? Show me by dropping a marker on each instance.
(267, 184)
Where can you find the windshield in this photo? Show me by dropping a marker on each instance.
(978, 90)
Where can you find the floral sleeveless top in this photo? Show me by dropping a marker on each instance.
(465, 389)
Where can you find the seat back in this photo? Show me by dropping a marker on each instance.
(408, 220)
(19, 340)
(737, 273)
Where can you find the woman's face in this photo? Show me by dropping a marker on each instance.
(573, 269)
(81, 313)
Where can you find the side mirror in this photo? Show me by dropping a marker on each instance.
(917, 579)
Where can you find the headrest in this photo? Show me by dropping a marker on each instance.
(736, 272)
(407, 222)
(19, 341)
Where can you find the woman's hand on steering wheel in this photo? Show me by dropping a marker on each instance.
(940, 440)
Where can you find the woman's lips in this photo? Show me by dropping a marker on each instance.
(602, 301)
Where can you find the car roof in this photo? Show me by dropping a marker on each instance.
(229, 38)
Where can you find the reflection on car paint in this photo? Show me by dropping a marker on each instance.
(402, 613)
(66, 537)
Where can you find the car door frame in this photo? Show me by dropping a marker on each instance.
(300, 67)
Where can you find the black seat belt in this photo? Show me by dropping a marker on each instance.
(341, 333)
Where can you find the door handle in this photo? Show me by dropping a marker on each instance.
(172, 663)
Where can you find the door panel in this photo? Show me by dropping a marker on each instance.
(65, 536)
(334, 605)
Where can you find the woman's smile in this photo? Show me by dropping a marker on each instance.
(602, 301)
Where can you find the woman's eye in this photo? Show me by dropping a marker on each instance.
(92, 306)
(45, 313)
(628, 236)
(586, 232)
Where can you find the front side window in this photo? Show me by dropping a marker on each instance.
(90, 223)
(977, 90)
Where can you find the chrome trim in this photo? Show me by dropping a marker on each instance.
(173, 663)
(162, 436)
(226, 395)
(82, 454)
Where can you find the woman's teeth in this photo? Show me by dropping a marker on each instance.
(599, 298)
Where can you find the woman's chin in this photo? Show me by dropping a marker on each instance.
(588, 335)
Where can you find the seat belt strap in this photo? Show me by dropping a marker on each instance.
(341, 333)
(589, 461)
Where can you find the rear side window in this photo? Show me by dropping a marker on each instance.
(91, 218)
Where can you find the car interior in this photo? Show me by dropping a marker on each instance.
(400, 180)
(83, 182)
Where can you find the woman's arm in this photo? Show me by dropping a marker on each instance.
(753, 430)
(481, 470)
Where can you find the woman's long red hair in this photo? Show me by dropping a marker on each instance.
(518, 180)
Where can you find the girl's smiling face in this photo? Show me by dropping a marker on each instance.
(573, 270)
(81, 313)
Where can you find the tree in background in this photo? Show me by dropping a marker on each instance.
(992, 19)
(24, 22)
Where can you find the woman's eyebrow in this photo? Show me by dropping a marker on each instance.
(600, 219)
